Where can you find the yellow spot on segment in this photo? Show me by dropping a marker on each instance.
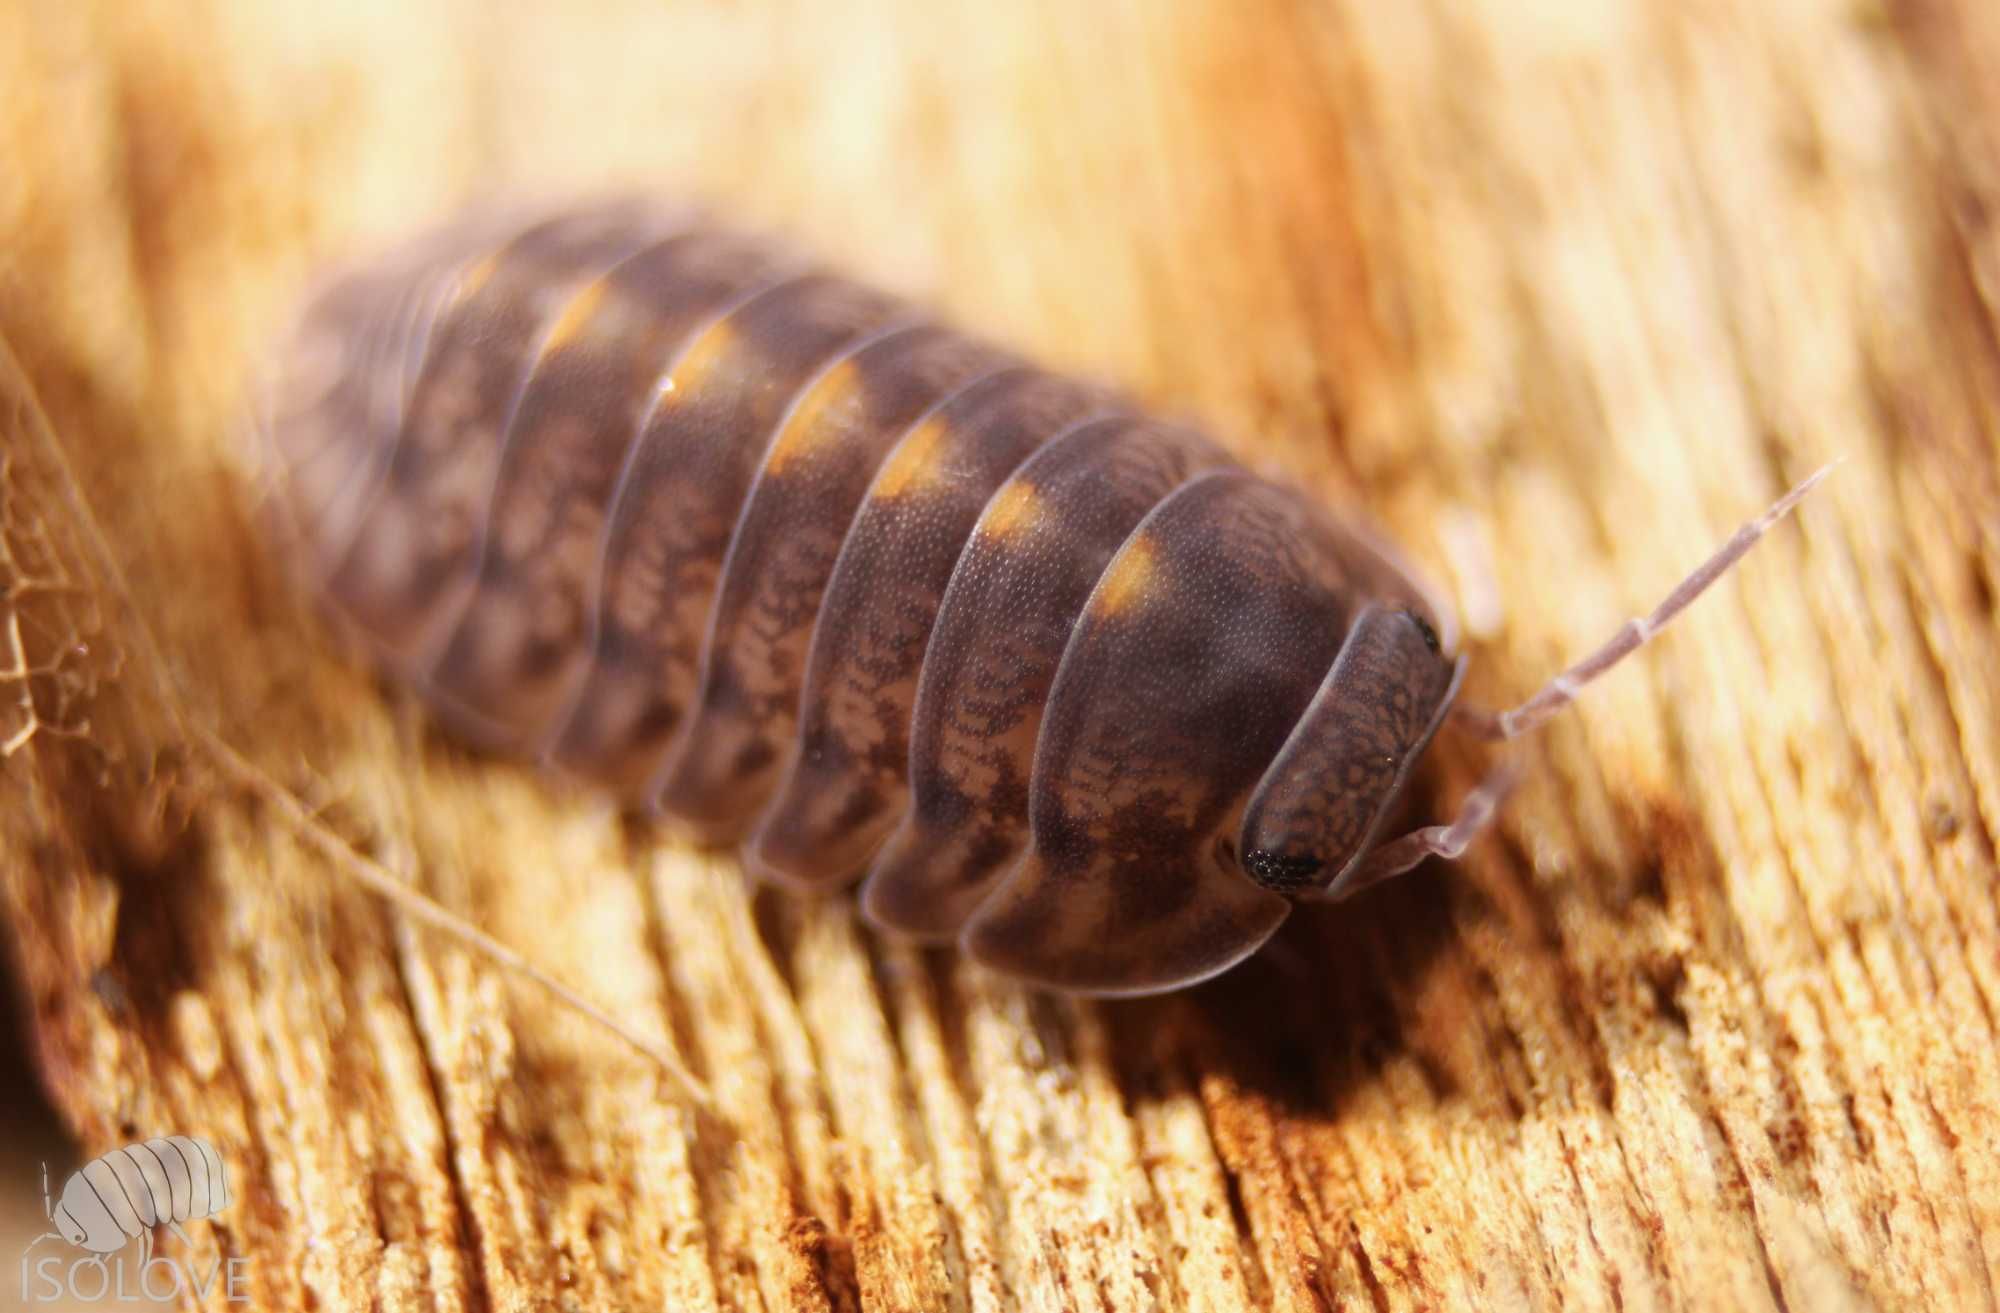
(709, 351)
(806, 427)
(575, 315)
(1129, 579)
(1015, 510)
(914, 460)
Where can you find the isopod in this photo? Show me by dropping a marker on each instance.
(124, 1194)
(783, 558)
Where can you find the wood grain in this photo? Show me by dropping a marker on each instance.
(1560, 290)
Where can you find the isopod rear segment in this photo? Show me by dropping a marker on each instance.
(788, 560)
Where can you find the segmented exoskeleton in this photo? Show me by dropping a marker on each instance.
(124, 1194)
(794, 563)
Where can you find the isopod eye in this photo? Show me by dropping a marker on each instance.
(1424, 627)
(1281, 872)
(1321, 801)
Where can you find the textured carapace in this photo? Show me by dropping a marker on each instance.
(791, 562)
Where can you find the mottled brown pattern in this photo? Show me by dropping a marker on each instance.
(408, 569)
(334, 408)
(524, 637)
(726, 761)
(1200, 648)
(677, 501)
(1562, 292)
(1325, 796)
(1014, 598)
(323, 409)
(847, 778)
(784, 558)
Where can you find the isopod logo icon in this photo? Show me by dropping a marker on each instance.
(121, 1197)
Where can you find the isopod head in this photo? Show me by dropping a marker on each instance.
(1201, 659)
(83, 1219)
(782, 558)
(1323, 802)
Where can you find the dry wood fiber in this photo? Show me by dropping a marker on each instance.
(1560, 291)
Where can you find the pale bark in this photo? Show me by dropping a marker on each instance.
(1561, 291)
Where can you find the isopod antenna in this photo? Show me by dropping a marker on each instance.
(1450, 841)
(48, 1211)
(1559, 692)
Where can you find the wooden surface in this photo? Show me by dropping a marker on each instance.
(1560, 290)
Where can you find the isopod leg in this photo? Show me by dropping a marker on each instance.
(1563, 689)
